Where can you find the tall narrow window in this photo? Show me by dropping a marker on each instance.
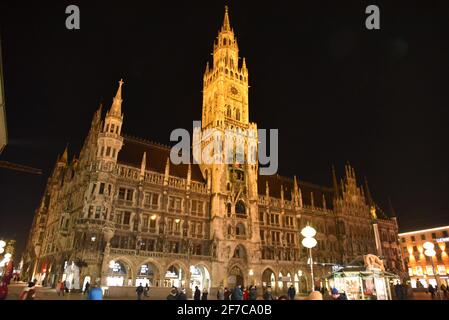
(126, 217)
(101, 190)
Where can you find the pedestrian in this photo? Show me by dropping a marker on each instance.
(86, 288)
(227, 294)
(432, 291)
(29, 293)
(291, 292)
(220, 293)
(204, 295)
(197, 294)
(139, 291)
(182, 294)
(147, 290)
(95, 293)
(245, 294)
(237, 294)
(398, 290)
(173, 295)
(252, 293)
(268, 294)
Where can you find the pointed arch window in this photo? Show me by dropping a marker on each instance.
(228, 111)
(237, 115)
(240, 208)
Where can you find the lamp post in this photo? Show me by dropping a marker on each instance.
(309, 242)
(430, 252)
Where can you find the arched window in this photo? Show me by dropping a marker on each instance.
(229, 230)
(228, 112)
(224, 41)
(229, 209)
(237, 115)
(240, 208)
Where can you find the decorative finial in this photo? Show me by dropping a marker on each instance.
(121, 82)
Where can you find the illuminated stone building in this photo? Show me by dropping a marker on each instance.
(124, 213)
(420, 268)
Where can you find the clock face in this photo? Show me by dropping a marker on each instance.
(234, 90)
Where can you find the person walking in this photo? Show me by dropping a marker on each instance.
(220, 293)
(245, 294)
(86, 288)
(237, 294)
(139, 291)
(147, 290)
(227, 294)
(204, 295)
(197, 294)
(182, 294)
(398, 291)
(268, 294)
(252, 293)
(95, 293)
(432, 291)
(291, 292)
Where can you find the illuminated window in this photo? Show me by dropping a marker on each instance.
(410, 272)
(419, 271)
(429, 270)
(441, 270)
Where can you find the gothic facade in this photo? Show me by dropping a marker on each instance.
(123, 212)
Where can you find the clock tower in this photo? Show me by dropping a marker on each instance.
(232, 176)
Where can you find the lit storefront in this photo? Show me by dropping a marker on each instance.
(363, 284)
(421, 268)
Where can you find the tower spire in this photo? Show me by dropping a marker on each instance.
(334, 182)
(116, 108)
(226, 24)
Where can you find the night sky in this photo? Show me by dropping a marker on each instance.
(336, 91)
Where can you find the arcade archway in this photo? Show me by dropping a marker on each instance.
(268, 278)
(147, 274)
(200, 277)
(175, 275)
(118, 273)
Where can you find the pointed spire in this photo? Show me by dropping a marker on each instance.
(369, 198)
(267, 189)
(189, 175)
(116, 108)
(391, 209)
(334, 182)
(118, 95)
(226, 24)
(143, 165)
(324, 202)
(244, 68)
(312, 200)
(167, 171)
(282, 193)
(65, 155)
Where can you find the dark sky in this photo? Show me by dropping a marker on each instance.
(336, 91)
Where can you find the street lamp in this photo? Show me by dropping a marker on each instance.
(430, 252)
(309, 242)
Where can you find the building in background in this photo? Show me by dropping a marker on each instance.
(122, 212)
(419, 266)
(3, 130)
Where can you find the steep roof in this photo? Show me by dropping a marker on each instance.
(156, 158)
